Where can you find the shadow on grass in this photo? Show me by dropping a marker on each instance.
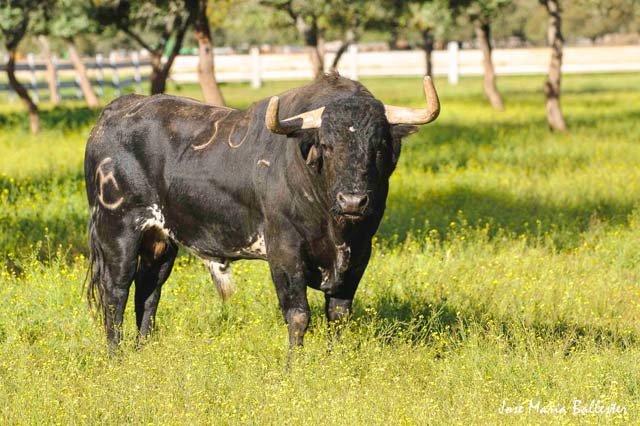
(409, 213)
(418, 321)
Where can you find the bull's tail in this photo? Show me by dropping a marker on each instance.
(96, 275)
(221, 279)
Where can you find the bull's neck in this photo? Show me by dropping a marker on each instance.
(309, 195)
(305, 185)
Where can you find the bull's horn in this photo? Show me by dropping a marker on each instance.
(307, 120)
(404, 115)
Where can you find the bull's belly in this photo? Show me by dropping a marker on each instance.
(213, 250)
(212, 242)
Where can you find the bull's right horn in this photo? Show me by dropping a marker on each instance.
(404, 115)
(307, 120)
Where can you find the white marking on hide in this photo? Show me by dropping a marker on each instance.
(352, 129)
(325, 277)
(264, 162)
(103, 179)
(258, 246)
(215, 132)
(343, 257)
(307, 196)
(221, 278)
(156, 220)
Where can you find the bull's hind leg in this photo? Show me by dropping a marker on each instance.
(118, 245)
(157, 254)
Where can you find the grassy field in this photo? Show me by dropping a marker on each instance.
(506, 273)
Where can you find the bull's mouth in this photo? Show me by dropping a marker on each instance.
(350, 217)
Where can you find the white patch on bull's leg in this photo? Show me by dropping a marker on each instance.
(264, 162)
(342, 257)
(155, 218)
(221, 278)
(104, 179)
(325, 277)
(334, 276)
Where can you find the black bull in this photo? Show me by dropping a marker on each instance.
(305, 194)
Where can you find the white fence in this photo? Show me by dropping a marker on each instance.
(256, 67)
(115, 72)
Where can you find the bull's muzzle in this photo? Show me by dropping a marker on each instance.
(352, 204)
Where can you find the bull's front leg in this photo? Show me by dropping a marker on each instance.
(288, 277)
(338, 302)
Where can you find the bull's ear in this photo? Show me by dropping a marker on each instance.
(402, 131)
(313, 155)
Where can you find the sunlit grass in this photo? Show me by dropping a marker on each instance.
(506, 268)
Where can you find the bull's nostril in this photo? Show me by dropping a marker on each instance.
(341, 198)
(363, 202)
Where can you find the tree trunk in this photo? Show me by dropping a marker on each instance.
(317, 60)
(350, 38)
(206, 66)
(81, 72)
(160, 71)
(32, 108)
(427, 45)
(552, 85)
(339, 53)
(483, 33)
(314, 42)
(158, 75)
(54, 96)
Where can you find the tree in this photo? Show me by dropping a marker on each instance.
(480, 13)
(349, 19)
(310, 19)
(16, 17)
(202, 30)
(432, 19)
(68, 19)
(595, 18)
(156, 26)
(552, 84)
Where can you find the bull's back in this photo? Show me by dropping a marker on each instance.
(170, 151)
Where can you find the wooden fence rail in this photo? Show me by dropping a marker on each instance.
(98, 66)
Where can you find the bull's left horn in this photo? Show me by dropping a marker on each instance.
(307, 120)
(404, 115)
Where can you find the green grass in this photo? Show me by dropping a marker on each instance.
(506, 268)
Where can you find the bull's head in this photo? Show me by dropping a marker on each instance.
(355, 146)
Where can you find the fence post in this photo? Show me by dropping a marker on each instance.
(56, 79)
(34, 80)
(256, 71)
(454, 71)
(114, 72)
(99, 60)
(79, 94)
(135, 59)
(353, 61)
